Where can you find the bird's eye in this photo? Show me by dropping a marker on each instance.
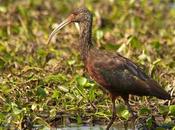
(75, 13)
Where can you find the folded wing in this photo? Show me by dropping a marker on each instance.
(125, 77)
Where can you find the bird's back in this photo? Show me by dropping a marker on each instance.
(120, 76)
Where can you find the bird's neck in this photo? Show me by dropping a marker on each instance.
(85, 38)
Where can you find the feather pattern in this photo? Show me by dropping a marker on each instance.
(120, 76)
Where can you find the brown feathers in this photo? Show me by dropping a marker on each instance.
(120, 76)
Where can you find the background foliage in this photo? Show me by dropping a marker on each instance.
(46, 84)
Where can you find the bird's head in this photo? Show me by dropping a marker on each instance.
(79, 15)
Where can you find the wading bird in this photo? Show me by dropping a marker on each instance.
(113, 72)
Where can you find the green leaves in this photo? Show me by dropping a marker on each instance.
(15, 109)
(99, 34)
(125, 114)
(156, 45)
(91, 94)
(5, 56)
(172, 110)
(2, 117)
(79, 120)
(149, 122)
(135, 43)
(34, 106)
(41, 92)
(55, 94)
(53, 113)
(55, 78)
(122, 111)
(163, 110)
(71, 62)
(173, 128)
(81, 81)
(110, 46)
(144, 111)
(4, 89)
(38, 79)
(86, 88)
(2, 63)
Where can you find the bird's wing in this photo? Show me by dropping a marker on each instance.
(121, 76)
(125, 77)
(153, 88)
(133, 68)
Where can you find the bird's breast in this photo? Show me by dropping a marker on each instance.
(95, 74)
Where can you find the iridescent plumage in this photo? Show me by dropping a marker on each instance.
(115, 73)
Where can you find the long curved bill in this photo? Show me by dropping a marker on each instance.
(60, 26)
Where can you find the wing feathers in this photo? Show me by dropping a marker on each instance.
(156, 90)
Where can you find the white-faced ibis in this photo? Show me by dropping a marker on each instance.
(117, 74)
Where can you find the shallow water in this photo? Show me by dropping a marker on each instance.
(83, 128)
(97, 127)
(119, 126)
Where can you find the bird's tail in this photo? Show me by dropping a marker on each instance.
(157, 90)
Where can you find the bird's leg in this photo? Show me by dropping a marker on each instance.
(113, 113)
